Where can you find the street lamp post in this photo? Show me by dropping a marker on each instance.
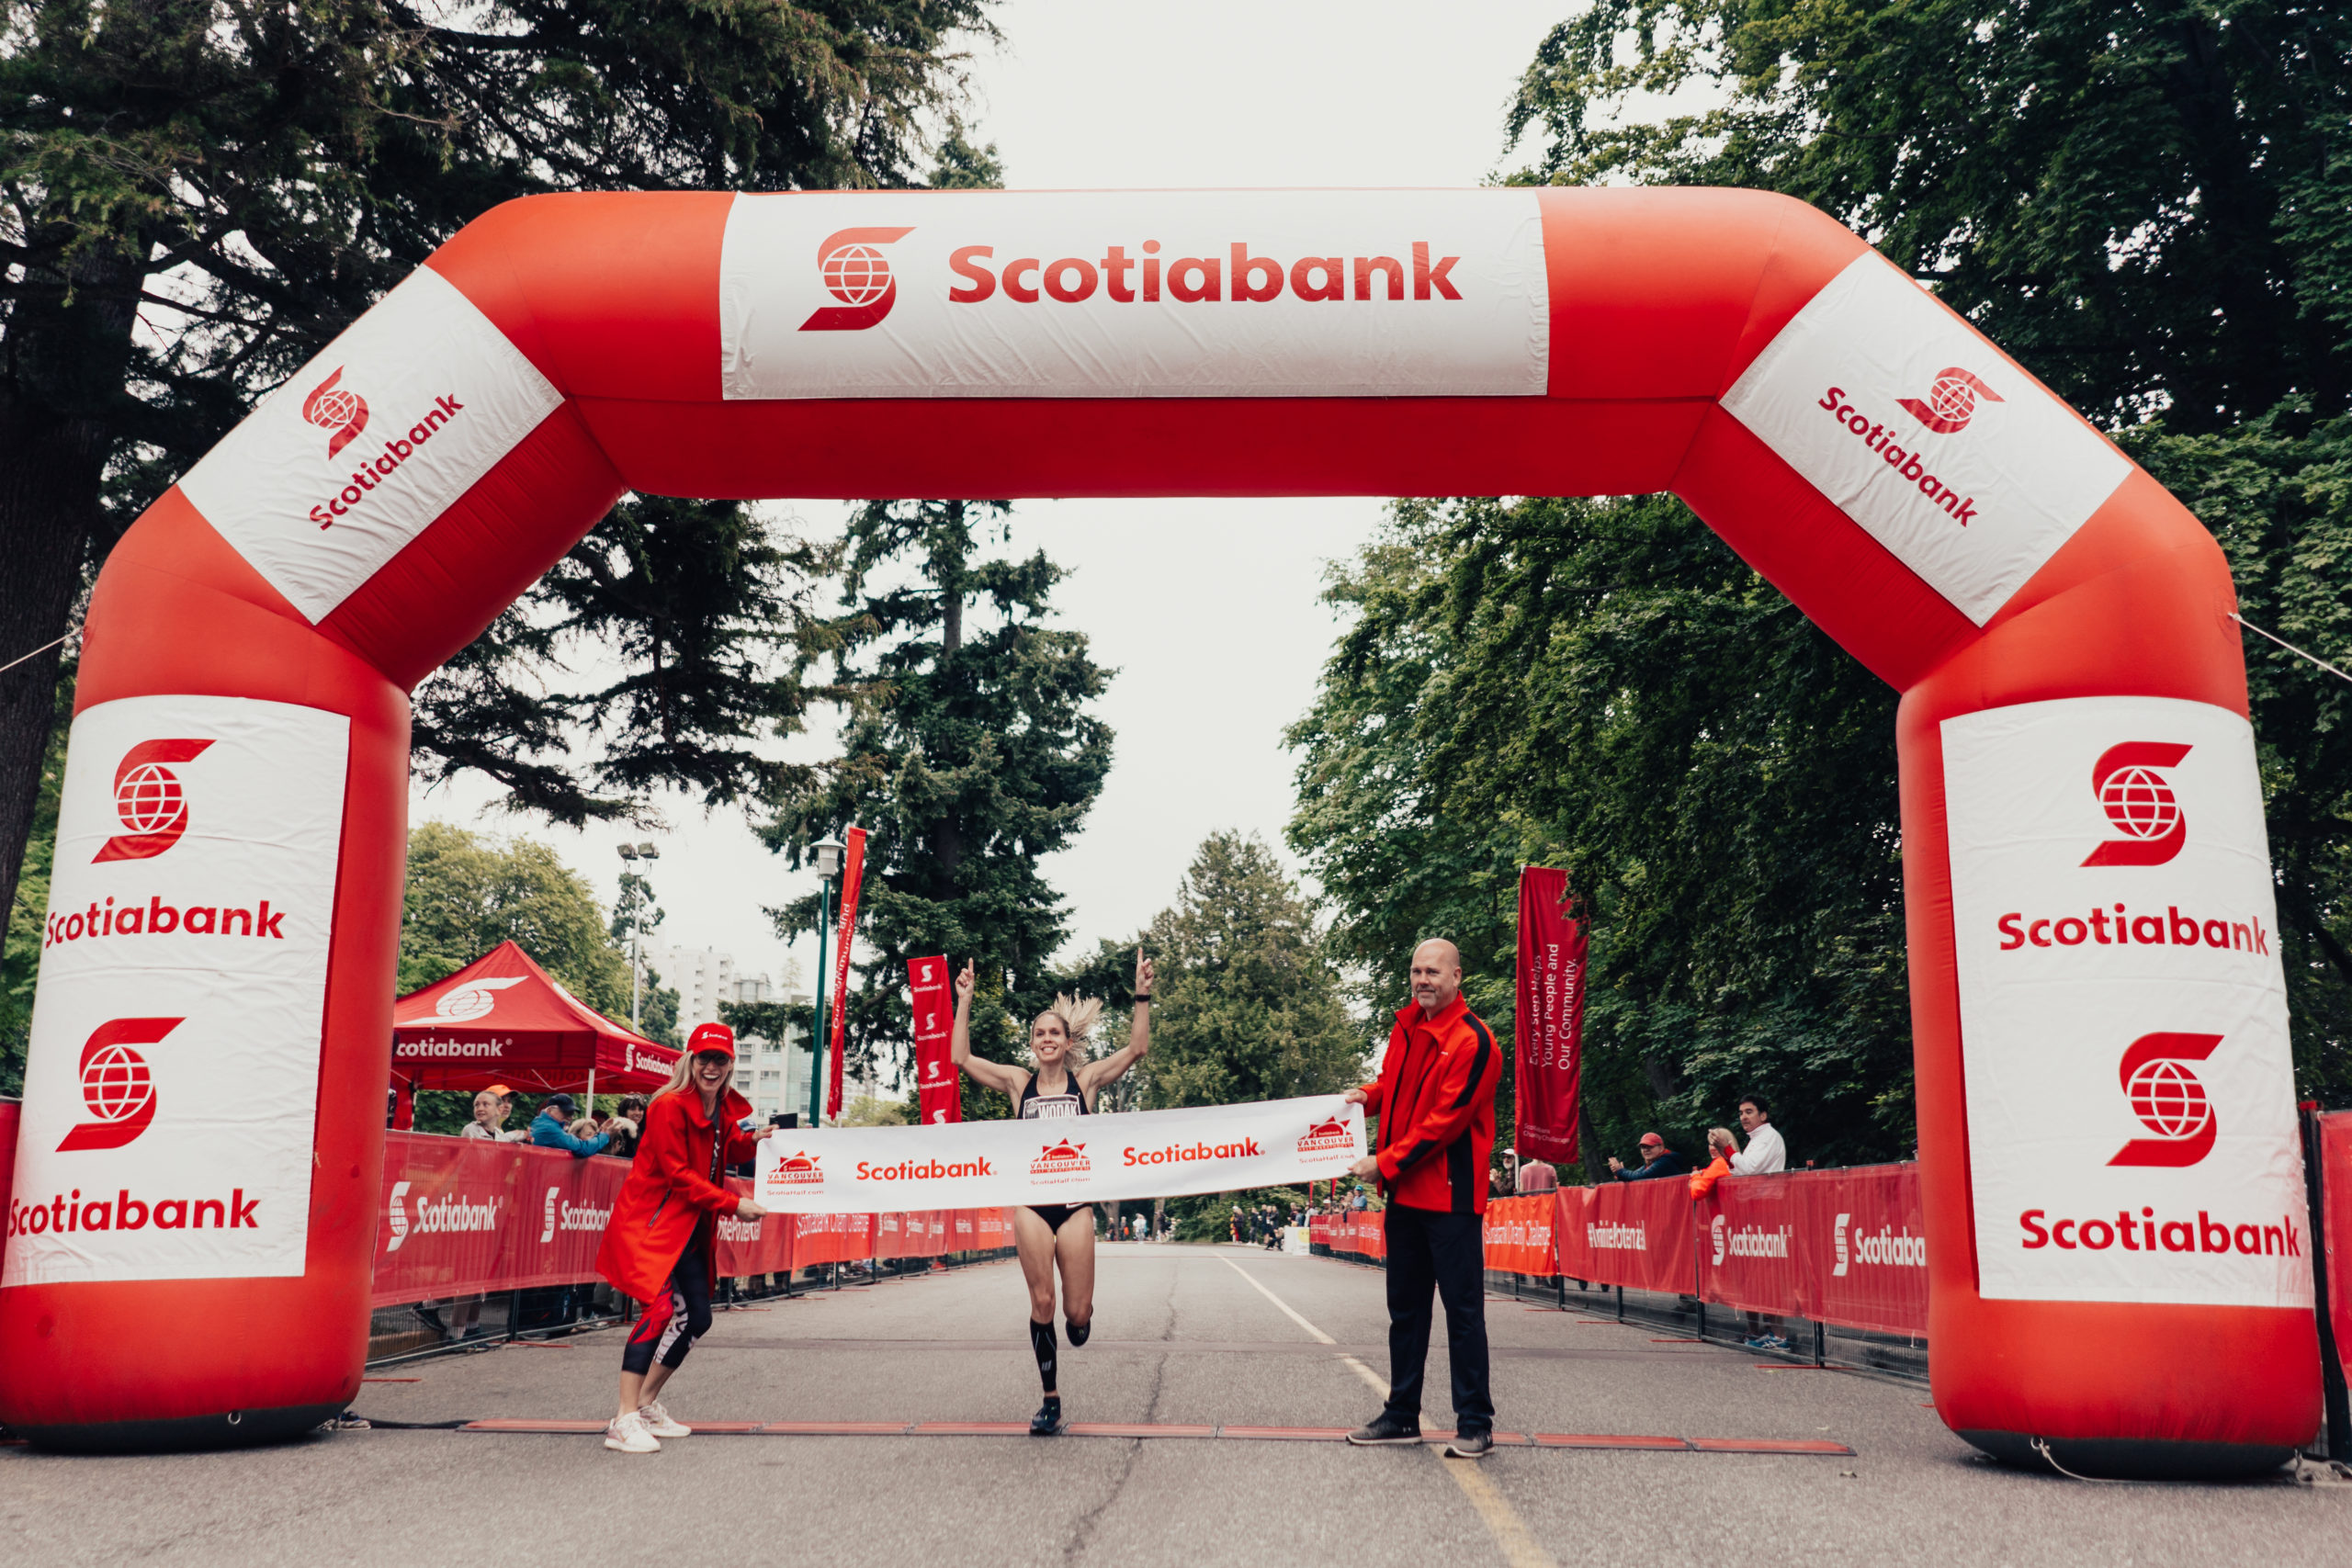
(630, 853)
(827, 853)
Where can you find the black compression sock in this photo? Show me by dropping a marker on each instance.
(1078, 1331)
(1041, 1341)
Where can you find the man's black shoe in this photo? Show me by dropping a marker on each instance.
(1385, 1431)
(1470, 1445)
(1047, 1422)
(431, 1318)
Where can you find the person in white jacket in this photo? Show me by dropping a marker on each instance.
(1765, 1152)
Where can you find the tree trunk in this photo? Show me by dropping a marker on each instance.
(63, 374)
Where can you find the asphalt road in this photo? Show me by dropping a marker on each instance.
(1183, 1335)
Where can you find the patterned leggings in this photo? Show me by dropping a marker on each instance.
(675, 1319)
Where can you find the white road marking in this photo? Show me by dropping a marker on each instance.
(1517, 1543)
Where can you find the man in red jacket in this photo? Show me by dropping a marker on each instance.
(1436, 1104)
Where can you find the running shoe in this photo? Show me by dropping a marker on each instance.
(660, 1422)
(1385, 1431)
(627, 1435)
(1470, 1445)
(1047, 1422)
(1078, 1332)
(431, 1318)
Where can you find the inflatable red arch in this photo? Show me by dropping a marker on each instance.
(2113, 1188)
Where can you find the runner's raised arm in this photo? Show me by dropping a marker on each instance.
(1097, 1076)
(1008, 1080)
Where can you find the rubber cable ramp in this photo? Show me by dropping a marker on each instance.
(1633, 1442)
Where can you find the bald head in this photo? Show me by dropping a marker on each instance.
(1436, 975)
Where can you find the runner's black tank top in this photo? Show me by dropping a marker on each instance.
(1036, 1106)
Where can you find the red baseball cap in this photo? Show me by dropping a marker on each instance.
(1649, 1138)
(711, 1037)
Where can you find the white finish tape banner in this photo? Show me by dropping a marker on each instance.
(1077, 1159)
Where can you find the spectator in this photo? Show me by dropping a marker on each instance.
(548, 1130)
(1719, 1150)
(490, 1115)
(623, 1124)
(1535, 1176)
(1435, 1099)
(1658, 1161)
(1765, 1152)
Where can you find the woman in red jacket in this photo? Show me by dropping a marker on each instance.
(658, 1245)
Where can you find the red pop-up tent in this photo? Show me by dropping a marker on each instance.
(503, 1019)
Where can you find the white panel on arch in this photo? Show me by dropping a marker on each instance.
(1135, 295)
(2122, 1006)
(1926, 436)
(172, 1086)
(368, 444)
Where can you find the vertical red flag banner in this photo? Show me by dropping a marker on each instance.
(853, 872)
(2335, 1206)
(1550, 1015)
(934, 1073)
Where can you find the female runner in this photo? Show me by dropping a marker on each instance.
(1064, 1084)
(660, 1243)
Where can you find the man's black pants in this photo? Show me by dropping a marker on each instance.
(1446, 1253)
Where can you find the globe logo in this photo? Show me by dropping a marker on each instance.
(339, 408)
(473, 1000)
(115, 1083)
(334, 407)
(148, 799)
(1951, 401)
(2140, 803)
(2167, 1098)
(1953, 396)
(857, 275)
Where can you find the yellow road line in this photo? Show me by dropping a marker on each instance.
(1517, 1543)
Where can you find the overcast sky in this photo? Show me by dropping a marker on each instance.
(1207, 609)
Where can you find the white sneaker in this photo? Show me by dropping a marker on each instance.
(629, 1434)
(659, 1422)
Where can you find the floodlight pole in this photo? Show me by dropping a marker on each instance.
(828, 856)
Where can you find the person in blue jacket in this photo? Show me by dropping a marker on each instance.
(550, 1129)
(1657, 1160)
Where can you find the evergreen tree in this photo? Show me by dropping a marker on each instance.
(1247, 1005)
(200, 194)
(969, 758)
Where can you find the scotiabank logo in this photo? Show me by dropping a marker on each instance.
(1887, 1246)
(556, 1215)
(454, 1215)
(1951, 401)
(2167, 1098)
(116, 1084)
(799, 1169)
(473, 1000)
(859, 276)
(148, 799)
(1064, 1161)
(2139, 801)
(334, 407)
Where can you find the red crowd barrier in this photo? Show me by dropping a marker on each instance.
(1520, 1235)
(1352, 1234)
(1843, 1247)
(459, 1217)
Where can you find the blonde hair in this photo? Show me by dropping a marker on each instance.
(584, 1128)
(1078, 1015)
